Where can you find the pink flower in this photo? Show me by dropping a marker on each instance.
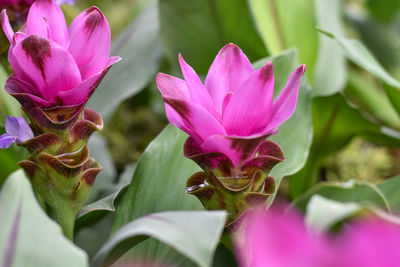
(54, 65)
(233, 111)
(274, 238)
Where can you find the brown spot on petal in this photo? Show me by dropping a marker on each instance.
(38, 49)
(93, 20)
(246, 146)
(181, 107)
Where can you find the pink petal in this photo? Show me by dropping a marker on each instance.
(5, 24)
(197, 121)
(198, 93)
(81, 93)
(24, 92)
(371, 243)
(272, 238)
(46, 19)
(285, 105)
(172, 87)
(47, 65)
(238, 150)
(249, 108)
(90, 41)
(18, 37)
(227, 73)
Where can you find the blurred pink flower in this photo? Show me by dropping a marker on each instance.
(277, 239)
(55, 65)
(235, 103)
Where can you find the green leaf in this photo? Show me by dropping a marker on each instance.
(159, 181)
(27, 236)
(9, 104)
(322, 213)
(284, 24)
(384, 10)
(199, 29)
(360, 55)
(390, 188)
(140, 49)
(371, 100)
(382, 40)
(351, 191)
(9, 159)
(195, 234)
(330, 73)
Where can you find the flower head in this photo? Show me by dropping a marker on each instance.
(17, 130)
(233, 111)
(54, 65)
(275, 238)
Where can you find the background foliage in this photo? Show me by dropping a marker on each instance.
(347, 121)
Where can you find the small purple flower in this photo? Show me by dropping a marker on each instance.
(17, 130)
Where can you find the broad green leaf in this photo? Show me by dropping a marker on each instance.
(158, 184)
(330, 72)
(351, 191)
(285, 24)
(195, 234)
(322, 213)
(200, 28)
(390, 188)
(27, 236)
(159, 181)
(140, 49)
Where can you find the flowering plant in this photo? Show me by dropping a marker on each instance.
(249, 127)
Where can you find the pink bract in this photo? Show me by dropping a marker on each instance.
(235, 102)
(281, 239)
(55, 65)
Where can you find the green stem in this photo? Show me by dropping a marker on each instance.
(65, 216)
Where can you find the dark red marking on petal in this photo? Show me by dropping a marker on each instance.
(38, 49)
(181, 107)
(93, 20)
(246, 146)
(214, 161)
